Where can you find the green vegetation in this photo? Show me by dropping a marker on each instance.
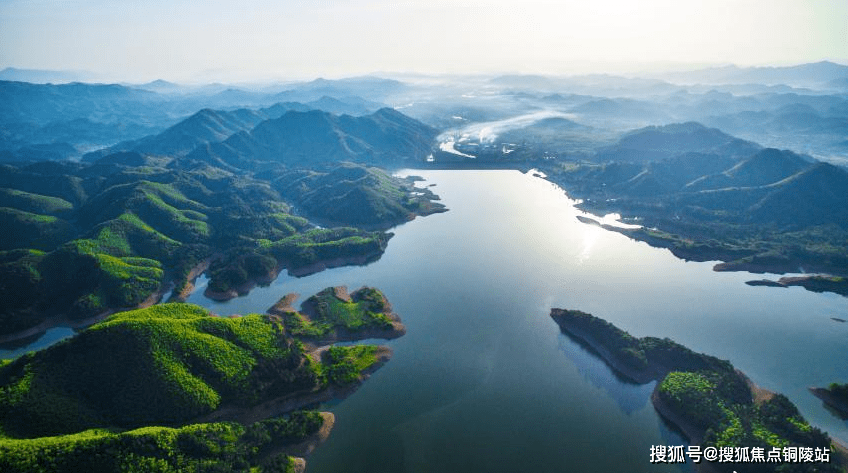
(221, 446)
(343, 365)
(170, 362)
(323, 244)
(88, 282)
(835, 284)
(700, 399)
(23, 229)
(136, 229)
(647, 355)
(773, 217)
(21, 282)
(123, 395)
(708, 394)
(239, 267)
(835, 396)
(839, 391)
(692, 392)
(354, 194)
(244, 265)
(326, 314)
(35, 203)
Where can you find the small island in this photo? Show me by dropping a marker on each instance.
(812, 282)
(333, 316)
(173, 387)
(710, 401)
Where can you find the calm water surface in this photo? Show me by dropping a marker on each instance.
(484, 381)
(36, 342)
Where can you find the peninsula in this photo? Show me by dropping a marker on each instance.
(712, 403)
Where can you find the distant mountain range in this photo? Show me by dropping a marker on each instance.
(47, 121)
(41, 76)
(813, 74)
(369, 87)
(708, 175)
(42, 104)
(205, 126)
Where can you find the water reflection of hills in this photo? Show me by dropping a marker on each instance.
(629, 396)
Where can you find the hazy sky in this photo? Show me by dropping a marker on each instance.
(226, 40)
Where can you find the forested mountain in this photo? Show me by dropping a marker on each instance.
(655, 143)
(80, 239)
(385, 137)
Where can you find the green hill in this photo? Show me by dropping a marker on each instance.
(770, 211)
(220, 446)
(164, 365)
(116, 234)
(35, 203)
(764, 167)
(707, 398)
(23, 229)
(315, 137)
(352, 194)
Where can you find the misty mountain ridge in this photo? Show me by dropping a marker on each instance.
(212, 126)
(371, 88)
(762, 168)
(655, 143)
(44, 103)
(816, 74)
(90, 116)
(816, 195)
(205, 126)
(299, 138)
(43, 76)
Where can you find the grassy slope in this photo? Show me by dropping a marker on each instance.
(138, 227)
(166, 364)
(22, 229)
(35, 203)
(221, 446)
(328, 314)
(352, 194)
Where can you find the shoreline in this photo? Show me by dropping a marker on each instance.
(434, 208)
(824, 278)
(244, 288)
(62, 320)
(296, 271)
(639, 377)
(830, 400)
(292, 402)
(191, 280)
(304, 449)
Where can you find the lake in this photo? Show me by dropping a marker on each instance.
(484, 381)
